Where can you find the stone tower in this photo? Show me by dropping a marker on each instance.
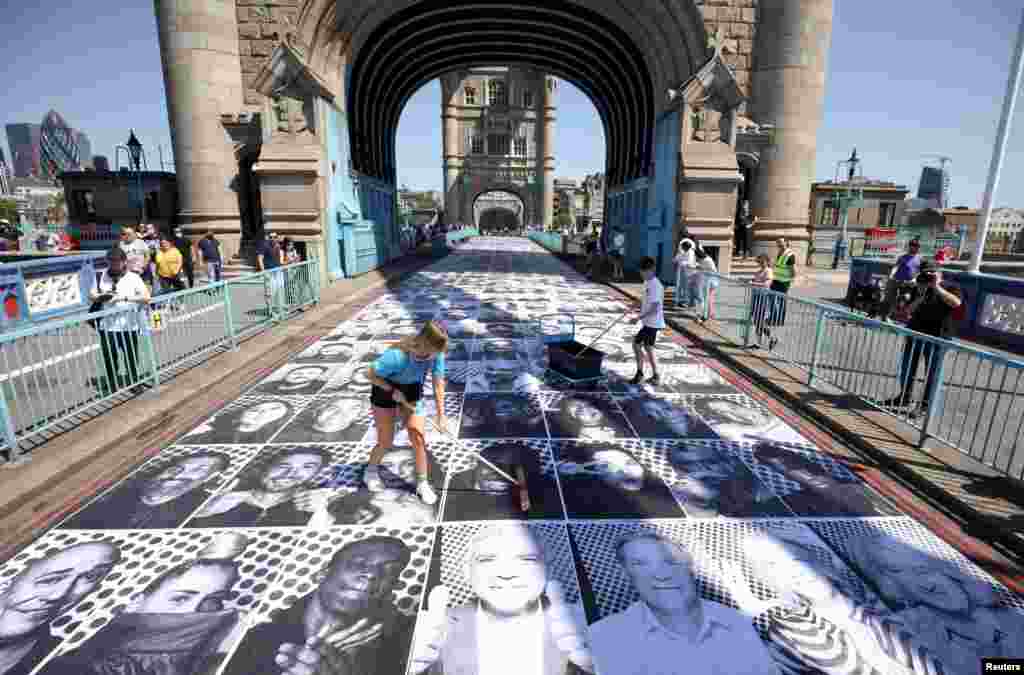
(498, 135)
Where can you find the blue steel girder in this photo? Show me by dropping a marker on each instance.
(557, 37)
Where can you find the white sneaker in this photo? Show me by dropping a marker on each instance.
(426, 492)
(372, 479)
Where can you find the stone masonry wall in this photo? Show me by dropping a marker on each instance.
(738, 21)
(261, 23)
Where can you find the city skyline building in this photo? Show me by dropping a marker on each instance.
(58, 146)
(5, 175)
(23, 141)
(934, 186)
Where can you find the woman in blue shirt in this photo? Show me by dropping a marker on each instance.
(397, 377)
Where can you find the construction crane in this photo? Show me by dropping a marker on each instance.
(944, 161)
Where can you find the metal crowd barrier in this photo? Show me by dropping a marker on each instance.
(53, 374)
(969, 398)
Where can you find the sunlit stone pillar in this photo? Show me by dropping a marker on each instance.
(788, 82)
(203, 79)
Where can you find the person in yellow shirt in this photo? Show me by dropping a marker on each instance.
(168, 266)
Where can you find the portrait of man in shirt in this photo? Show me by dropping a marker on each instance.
(670, 629)
(269, 492)
(42, 591)
(161, 497)
(519, 620)
(604, 480)
(480, 493)
(349, 625)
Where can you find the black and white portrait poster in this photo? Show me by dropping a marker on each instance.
(247, 420)
(739, 419)
(479, 492)
(484, 575)
(586, 416)
(663, 416)
(329, 419)
(346, 605)
(172, 601)
(351, 381)
(165, 491)
(813, 484)
(272, 490)
(502, 416)
(332, 349)
(604, 479)
(708, 479)
(298, 379)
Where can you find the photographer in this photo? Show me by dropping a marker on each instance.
(931, 313)
(119, 334)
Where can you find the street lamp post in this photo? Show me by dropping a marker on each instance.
(136, 161)
(851, 195)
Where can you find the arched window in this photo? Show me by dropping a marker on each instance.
(496, 92)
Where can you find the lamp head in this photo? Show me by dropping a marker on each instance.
(134, 149)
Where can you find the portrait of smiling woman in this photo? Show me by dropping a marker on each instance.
(249, 421)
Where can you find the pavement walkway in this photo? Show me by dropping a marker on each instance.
(627, 495)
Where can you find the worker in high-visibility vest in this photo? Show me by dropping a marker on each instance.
(783, 276)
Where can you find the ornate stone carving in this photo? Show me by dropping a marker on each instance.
(710, 99)
(292, 88)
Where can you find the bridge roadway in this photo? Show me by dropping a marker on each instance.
(777, 537)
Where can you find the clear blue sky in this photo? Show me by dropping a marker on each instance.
(905, 79)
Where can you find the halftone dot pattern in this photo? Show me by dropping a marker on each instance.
(347, 466)
(351, 380)
(463, 457)
(73, 622)
(296, 404)
(840, 532)
(311, 551)
(781, 430)
(452, 412)
(454, 541)
(164, 549)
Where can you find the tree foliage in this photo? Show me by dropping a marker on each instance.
(9, 210)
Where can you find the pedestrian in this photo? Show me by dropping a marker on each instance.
(708, 285)
(931, 313)
(618, 253)
(119, 334)
(745, 231)
(137, 253)
(152, 241)
(169, 266)
(184, 246)
(686, 267)
(290, 251)
(783, 276)
(209, 250)
(652, 315)
(904, 272)
(268, 258)
(761, 300)
(397, 377)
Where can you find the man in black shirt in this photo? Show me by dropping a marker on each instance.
(744, 230)
(930, 313)
(209, 249)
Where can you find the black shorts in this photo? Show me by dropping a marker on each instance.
(382, 399)
(646, 336)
